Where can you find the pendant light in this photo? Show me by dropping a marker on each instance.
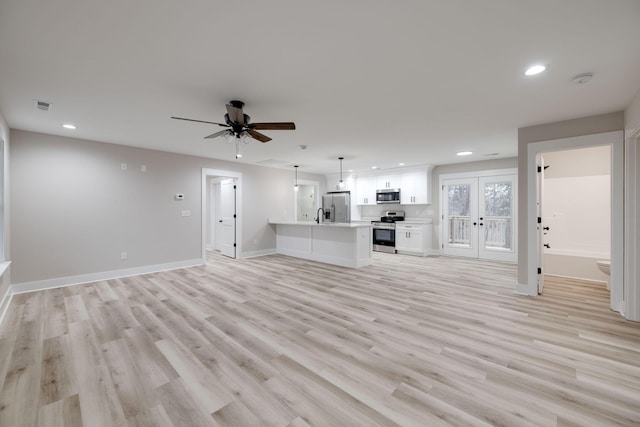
(341, 183)
(295, 187)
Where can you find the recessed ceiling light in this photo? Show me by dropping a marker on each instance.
(400, 164)
(536, 69)
(350, 170)
(464, 153)
(69, 126)
(374, 167)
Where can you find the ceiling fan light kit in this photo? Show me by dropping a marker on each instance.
(239, 126)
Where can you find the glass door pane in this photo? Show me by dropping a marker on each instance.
(458, 215)
(460, 201)
(496, 218)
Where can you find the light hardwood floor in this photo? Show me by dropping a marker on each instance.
(278, 341)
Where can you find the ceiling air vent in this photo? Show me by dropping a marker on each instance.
(41, 105)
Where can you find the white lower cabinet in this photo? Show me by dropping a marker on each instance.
(411, 238)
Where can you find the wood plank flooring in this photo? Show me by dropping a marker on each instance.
(278, 341)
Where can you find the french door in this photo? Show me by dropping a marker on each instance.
(478, 217)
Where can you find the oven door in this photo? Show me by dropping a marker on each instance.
(384, 236)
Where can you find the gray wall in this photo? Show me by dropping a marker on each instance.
(632, 114)
(546, 132)
(507, 163)
(75, 210)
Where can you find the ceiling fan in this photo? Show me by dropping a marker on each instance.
(239, 124)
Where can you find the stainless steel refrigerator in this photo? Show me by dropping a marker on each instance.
(336, 206)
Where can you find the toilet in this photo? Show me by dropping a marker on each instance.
(605, 267)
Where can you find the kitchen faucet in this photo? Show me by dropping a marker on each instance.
(318, 214)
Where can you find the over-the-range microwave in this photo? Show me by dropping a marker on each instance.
(388, 195)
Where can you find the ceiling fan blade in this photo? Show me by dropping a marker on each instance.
(235, 114)
(217, 134)
(200, 121)
(273, 126)
(259, 136)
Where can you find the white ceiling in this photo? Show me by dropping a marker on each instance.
(377, 82)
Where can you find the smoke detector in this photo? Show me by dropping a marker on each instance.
(583, 78)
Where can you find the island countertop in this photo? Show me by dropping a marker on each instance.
(344, 244)
(322, 224)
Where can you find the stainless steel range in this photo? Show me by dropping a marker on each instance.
(384, 231)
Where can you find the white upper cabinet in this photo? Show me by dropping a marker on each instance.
(366, 190)
(414, 188)
(388, 181)
(414, 185)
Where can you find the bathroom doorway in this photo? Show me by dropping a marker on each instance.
(576, 212)
(535, 223)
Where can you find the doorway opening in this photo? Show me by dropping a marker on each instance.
(221, 213)
(306, 200)
(575, 212)
(478, 212)
(535, 256)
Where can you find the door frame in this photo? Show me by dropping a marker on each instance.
(631, 292)
(316, 184)
(206, 175)
(615, 140)
(479, 174)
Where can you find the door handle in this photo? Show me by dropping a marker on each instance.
(546, 245)
(475, 223)
(545, 228)
(219, 220)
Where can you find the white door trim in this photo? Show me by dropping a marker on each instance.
(632, 227)
(209, 173)
(614, 140)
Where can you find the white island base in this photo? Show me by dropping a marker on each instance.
(346, 245)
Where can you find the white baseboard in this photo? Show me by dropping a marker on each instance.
(263, 252)
(526, 290)
(39, 285)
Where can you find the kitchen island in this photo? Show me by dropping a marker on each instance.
(343, 244)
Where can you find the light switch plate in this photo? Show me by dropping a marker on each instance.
(186, 212)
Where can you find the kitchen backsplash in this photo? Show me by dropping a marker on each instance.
(411, 211)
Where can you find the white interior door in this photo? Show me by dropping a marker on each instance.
(460, 217)
(496, 218)
(538, 219)
(228, 217)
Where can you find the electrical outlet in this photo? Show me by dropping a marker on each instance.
(123, 256)
(123, 166)
(143, 168)
(255, 241)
